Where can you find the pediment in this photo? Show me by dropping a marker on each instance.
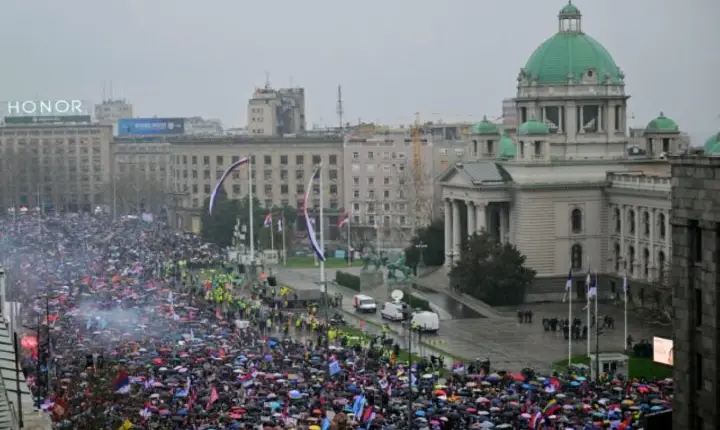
(456, 177)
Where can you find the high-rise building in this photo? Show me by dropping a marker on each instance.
(695, 265)
(140, 175)
(111, 110)
(54, 166)
(279, 112)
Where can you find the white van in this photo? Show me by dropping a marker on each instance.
(363, 303)
(393, 311)
(426, 321)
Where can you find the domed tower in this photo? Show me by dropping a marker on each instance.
(661, 137)
(572, 84)
(485, 136)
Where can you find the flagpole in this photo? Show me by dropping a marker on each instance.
(272, 234)
(570, 321)
(282, 217)
(250, 206)
(322, 233)
(588, 281)
(349, 258)
(625, 288)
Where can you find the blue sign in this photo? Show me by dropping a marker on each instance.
(151, 126)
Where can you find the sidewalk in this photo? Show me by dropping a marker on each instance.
(438, 282)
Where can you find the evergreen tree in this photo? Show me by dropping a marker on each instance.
(433, 238)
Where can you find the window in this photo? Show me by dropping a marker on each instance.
(662, 270)
(371, 181)
(576, 256)
(206, 160)
(333, 189)
(194, 174)
(386, 207)
(370, 168)
(267, 160)
(356, 207)
(371, 194)
(646, 262)
(219, 160)
(618, 120)
(218, 174)
(698, 307)
(283, 189)
(371, 155)
(267, 175)
(616, 256)
(206, 174)
(234, 159)
(646, 223)
(283, 175)
(631, 221)
(268, 190)
(695, 241)
(206, 188)
(356, 181)
(386, 194)
(356, 194)
(194, 159)
(618, 221)
(299, 160)
(299, 204)
(661, 222)
(283, 160)
(386, 180)
(576, 221)
(195, 189)
(332, 175)
(316, 159)
(332, 160)
(300, 188)
(236, 188)
(299, 174)
(629, 266)
(371, 207)
(356, 155)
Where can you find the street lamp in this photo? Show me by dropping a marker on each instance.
(421, 261)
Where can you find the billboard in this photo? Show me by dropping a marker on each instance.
(663, 351)
(151, 126)
(68, 119)
(44, 107)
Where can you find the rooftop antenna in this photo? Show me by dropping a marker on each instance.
(267, 80)
(340, 107)
(104, 97)
(111, 90)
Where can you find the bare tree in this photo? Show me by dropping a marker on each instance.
(136, 190)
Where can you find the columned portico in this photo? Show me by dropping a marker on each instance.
(457, 238)
(480, 217)
(448, 233)
(465, 217)
(471, 224)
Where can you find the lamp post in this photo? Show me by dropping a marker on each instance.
(421, 261)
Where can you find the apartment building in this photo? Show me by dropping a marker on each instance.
(280, 112)
(54, 166)
(111, 110)
(695, 220)
(282, 167)
(140, 174)
(380, 187)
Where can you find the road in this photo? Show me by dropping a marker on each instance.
(501, 338)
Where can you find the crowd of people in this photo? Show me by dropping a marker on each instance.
(127, 325)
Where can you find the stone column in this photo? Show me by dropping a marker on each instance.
(623, 221)
(636, 269)
(668, 241)
(653, 269)
(448, 233)
(503, 239)
(456, 230)
(470, 218)
(480, 218)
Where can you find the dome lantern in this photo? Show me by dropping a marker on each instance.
(570, 19)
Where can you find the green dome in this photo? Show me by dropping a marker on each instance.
(570, 10)
(508, 149)
(571, 55)
(533, 127)
(662, 124)
(712, 145)
(484, 127)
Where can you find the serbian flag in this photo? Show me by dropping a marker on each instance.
(213, 398)
(218, 314)
(121, 383)
(268, 220)
(344, 219)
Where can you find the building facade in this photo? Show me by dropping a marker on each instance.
(280, 112)
(281, 170)
(110, 111)
(567, 189)
(380, 189)
(695, 264)
(61, 167)
(140, 176)
(197, 126)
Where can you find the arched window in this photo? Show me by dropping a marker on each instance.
(618, 221)
(576, 256)
(646, 262)
(661, 221)
(646, 223)
(576, 221)
(616, 256)
(630, 266)
(631, 221)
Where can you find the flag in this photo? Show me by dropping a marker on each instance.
(146, 412)
(121, 384)
(568, 286)
(213, 398)
(344, 219)
(535, 421)
(126, 425)
(551, 407)
(280, 224)
(326, 424)
(592, 291)
(334, 368)
(268, 220)
(626, 286)
(358, 405)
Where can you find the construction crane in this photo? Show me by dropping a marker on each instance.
(418, 176)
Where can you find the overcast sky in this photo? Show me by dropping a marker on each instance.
(457, 58)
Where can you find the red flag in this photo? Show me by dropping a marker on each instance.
(191, 400)
(218, 314)
(213, 398)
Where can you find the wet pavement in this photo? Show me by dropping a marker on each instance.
(456, 308)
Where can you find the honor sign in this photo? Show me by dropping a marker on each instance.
(45, 107)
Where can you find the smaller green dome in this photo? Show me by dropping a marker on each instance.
(712, 145)
(662, 124)
(569, 10)
(485, 127)
(508, 149)
(533, 127)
